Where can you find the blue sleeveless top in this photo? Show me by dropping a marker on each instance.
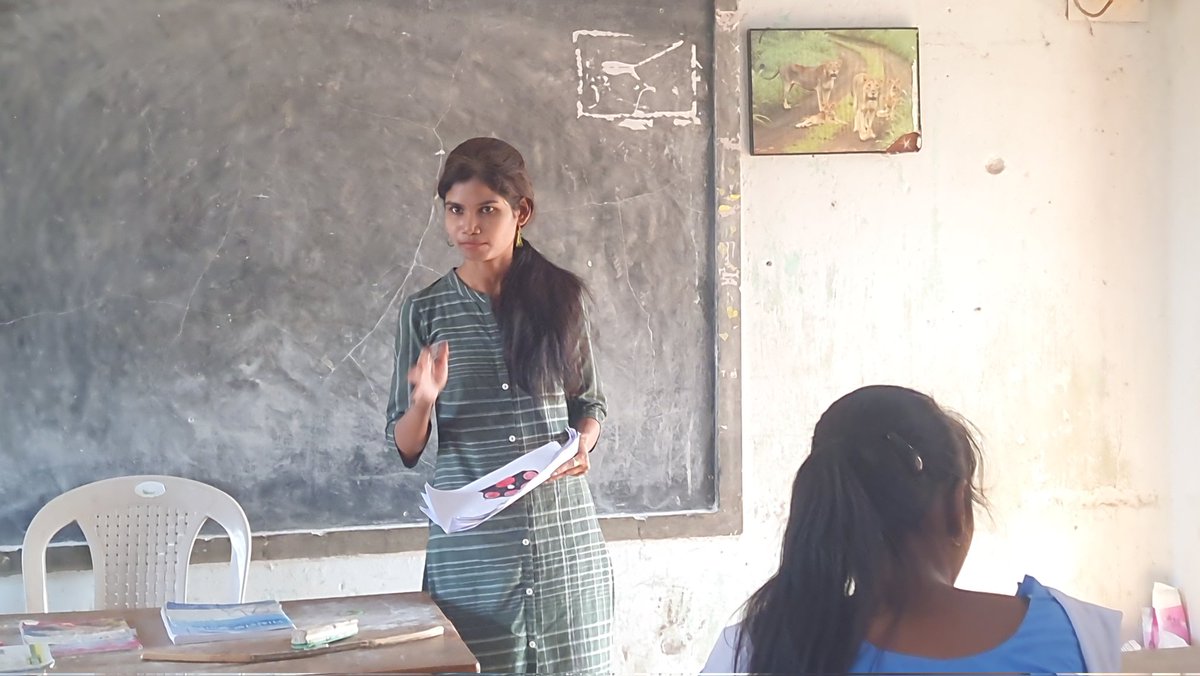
(1044, 643)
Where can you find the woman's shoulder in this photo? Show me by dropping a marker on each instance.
(438, 292)
(1096, 628)
(1030, 588)
(1028, 632)
(725, 656)
(1076, 609)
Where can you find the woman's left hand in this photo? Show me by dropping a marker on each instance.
(589, 434)
(576, 466)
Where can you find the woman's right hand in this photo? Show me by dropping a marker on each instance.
(428, 376)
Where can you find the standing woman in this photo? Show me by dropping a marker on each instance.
(498, 353)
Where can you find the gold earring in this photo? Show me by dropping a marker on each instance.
(520, 242)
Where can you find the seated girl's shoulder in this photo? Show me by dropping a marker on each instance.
(1043, 639)
(1049, 606)
(725, 656)
(1045, 612)
(1030, 588)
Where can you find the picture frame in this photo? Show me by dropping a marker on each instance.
(816, 91)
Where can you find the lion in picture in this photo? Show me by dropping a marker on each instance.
(866, 105)
(820, 79)
(890, 100)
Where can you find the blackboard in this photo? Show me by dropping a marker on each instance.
(211, 211)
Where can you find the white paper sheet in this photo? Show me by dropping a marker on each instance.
(466, 507)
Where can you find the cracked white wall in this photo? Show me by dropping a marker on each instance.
(1183, 308)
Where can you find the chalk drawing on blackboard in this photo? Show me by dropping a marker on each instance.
(634, 83)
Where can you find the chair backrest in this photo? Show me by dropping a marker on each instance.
(140, 531)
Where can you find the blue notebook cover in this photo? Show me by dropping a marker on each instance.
(202, 622)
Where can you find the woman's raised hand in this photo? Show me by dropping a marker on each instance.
(428, 376)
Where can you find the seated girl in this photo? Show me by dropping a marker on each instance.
(881, 521)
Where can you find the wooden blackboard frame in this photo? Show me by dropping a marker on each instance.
(726, 518)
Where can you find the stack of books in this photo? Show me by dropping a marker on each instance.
(189, 623)
(81, 636)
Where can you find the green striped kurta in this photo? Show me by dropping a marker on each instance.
(531, 588)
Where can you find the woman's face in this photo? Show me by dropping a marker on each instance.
(481, 223)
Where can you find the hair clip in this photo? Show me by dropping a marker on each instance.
(899, 441)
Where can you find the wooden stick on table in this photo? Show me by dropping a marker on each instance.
(231, 655)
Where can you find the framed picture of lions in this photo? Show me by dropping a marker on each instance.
(846, 90)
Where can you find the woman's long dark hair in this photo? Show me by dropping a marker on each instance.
(540, 307)
(880, 456)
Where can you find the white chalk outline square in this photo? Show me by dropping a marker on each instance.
(688, 116)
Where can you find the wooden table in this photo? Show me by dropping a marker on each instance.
(401, 612)
(1164, 661)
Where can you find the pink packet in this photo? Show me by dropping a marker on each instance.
(1149, 629)
(1170, 618)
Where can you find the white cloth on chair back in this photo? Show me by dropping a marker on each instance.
(140, 531)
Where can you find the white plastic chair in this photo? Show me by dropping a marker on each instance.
(140, 530)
